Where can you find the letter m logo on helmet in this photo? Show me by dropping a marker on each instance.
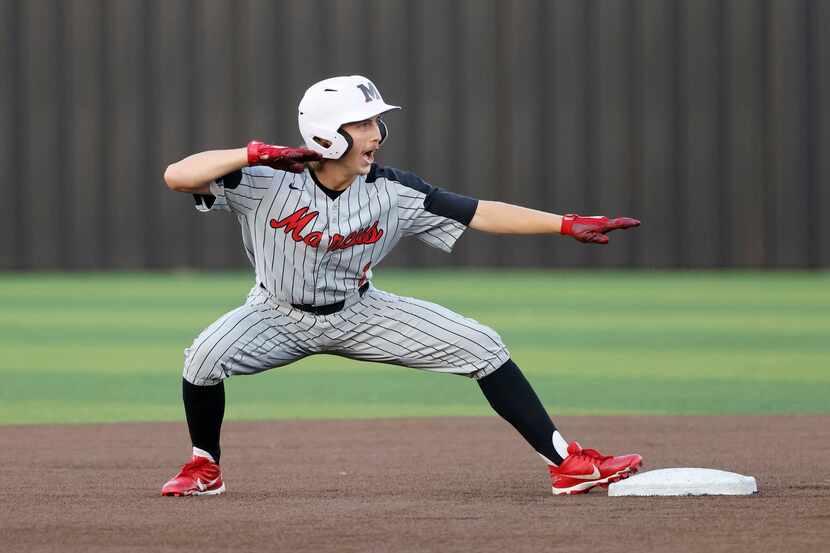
(369, 91)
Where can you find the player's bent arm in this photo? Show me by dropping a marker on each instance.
(503, 218)
(194, 173)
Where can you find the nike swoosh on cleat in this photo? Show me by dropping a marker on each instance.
(593, 476)
(202, 486)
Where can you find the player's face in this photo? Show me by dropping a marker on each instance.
(365, 142)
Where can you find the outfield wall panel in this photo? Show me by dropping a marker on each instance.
(9, 146)
(819, 114)
(707, 119)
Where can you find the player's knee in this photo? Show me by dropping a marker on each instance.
(206, 379)
(497, 354)
(493, 343)
(198, 368)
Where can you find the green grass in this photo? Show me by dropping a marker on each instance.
(108, 347)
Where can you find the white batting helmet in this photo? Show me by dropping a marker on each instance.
(331, 103)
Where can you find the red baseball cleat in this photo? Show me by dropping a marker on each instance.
(584, 469)
(200, 476)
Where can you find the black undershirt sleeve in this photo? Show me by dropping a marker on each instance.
(229, 181)
(204, 199)
(451, 205)
(437, 201)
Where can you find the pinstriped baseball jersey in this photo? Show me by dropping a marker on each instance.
(310, 249)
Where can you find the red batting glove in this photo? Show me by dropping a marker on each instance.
(280, 157)
(593, 229)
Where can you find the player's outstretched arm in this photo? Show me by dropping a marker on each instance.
(194, 173)
(503, 218)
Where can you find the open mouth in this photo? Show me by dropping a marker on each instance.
(369, 156)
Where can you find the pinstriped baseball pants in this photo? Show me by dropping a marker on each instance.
(380, 327)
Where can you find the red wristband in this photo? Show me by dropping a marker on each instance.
(253, 152)
(567, 224)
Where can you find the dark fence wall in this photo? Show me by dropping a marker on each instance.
(707, 119)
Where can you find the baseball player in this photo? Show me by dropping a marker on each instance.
(315, 223)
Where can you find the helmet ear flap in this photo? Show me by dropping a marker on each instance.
(384, 130)
(348, 139)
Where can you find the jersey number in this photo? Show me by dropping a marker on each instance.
(363, 276)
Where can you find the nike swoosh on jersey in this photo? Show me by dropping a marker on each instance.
(292, 187)
(593, 476)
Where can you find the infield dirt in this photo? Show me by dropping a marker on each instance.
(452, 484)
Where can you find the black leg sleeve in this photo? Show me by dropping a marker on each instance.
(204, 407)
(511, 396)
